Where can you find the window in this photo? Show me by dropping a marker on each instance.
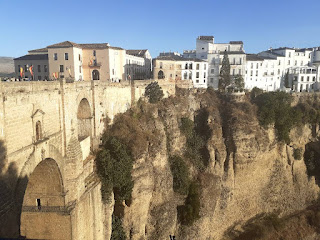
(289, 54)
(211, 80)
(251, 65)
(190, 66)
(45, 68)
(61, 68)
(257, 65)
(39, 77)
(240, 61)
(39, 203)
(301, 63)
(279, 62)
(212, 70)
(25, 68)
(197, 81)
(314, 79)
(79, 69)
(19, 68)
(308, 79)
(79, 57)
(185, 76)
(205, 67)
(288, 62)
(160, 64)
(66, 56)
(233, 72)
(251, 74)
(197, 75)
(295, 62)
(94, 53)
(38, 131)
(302, 79)
(256, 73)
(204, 75)
(239, 71)
(278, 71)
(55, 56)
(39, 68)
(198, 66)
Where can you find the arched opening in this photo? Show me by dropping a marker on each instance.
(160, 75)
(95, 75)
(84, 119)
(44, 215)
(38, 131)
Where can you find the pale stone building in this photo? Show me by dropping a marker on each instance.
(208, 50)
(138, 64)
(39, 62)
(177, 68)
(97, 61)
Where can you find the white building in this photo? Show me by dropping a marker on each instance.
(138, 64)
(267, 70)
(208, 50)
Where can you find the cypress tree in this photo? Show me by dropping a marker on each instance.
(225, 78)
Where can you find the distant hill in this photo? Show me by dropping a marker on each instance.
(6, 66)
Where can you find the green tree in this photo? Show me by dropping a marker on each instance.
(225, 78)
(154, 92)
(239, 82)
(189, 212)
(286, 80)
(180, 173)
(114, 165)
(117, 229)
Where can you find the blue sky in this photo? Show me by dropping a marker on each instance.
(161, 25)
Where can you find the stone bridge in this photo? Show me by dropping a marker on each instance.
(48, 130)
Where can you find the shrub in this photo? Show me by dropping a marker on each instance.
(255, 92)
(196, 150)
(297, 154)
(180, 174)
(275, 108)
(114, 166)
(117, 229)
(189, 212)
(154, 92)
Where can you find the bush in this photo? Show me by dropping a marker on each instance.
(297, 154)
(275, 108)
(255, 92)
(154, 92)
(180, 174)
(114, 165)
(117, 229)
(189, 212)
(196, 150)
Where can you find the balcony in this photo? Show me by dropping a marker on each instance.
(94, 64)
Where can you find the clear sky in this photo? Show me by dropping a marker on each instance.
(161, 25)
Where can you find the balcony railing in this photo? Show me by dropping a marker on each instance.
(94, 64)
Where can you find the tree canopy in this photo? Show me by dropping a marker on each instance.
(225, 78)
(154, 92)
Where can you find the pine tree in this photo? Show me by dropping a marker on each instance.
(286, 80)
(225, 78)
(239, 82)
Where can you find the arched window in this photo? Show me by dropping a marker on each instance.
(95, 75)
(38, 131)
(160, 75)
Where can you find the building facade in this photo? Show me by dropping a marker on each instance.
(177, 68)
(208, 50)
(98, 61)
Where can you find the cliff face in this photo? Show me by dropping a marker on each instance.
(248, 171)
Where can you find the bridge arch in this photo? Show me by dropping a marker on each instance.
(84, 118)
(43, 213)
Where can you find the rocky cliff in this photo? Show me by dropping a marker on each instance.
(245, 172)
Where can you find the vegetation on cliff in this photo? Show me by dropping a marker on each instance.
(154, 92)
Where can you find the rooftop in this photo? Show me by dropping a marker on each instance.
(33, 57)
(39, 50)
(67, 44)
(207, 38)
(137, 52)
(236, 42)
(253, 57)
(178, 58)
